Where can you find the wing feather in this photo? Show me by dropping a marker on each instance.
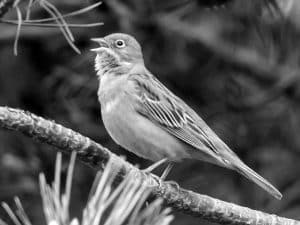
(161, 106)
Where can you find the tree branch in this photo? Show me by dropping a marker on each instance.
(96, 156)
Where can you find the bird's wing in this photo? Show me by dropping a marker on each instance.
(162, 107)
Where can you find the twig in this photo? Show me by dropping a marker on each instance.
(96, 156)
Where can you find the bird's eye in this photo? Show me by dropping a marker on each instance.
(120, 43)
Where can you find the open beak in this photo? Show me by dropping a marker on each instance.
(101, 41)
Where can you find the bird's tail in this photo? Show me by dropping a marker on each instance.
(244, 170)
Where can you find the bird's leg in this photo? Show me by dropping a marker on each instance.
(166, 171)
(154, 165)
(165, 174)
(160, 179)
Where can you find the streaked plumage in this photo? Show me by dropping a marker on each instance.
(144, 117)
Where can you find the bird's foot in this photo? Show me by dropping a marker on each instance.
(173, 184)
(160, 180)
(157, 180)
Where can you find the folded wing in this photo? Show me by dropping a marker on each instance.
(168, 111)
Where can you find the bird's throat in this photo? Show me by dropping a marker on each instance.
(106, 61)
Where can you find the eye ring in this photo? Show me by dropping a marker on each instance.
(120, 43)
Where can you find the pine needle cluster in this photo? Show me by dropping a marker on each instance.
(122, 205)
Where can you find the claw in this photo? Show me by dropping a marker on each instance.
(173, 183)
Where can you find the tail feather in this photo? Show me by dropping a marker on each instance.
(244, 170)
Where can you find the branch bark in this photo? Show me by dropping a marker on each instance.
(96, 156)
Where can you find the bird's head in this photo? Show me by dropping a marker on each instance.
(117, 50)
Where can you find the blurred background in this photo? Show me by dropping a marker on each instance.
(236, 62)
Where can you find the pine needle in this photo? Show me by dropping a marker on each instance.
(57, 177)
(18, 30)
(56, 185)
(66, 198)
(21, 212)
(58, 17)
(28, 10)
(16, 2)
(123, 205)
(71, 14)
(2, 222)
(64, 29)
(55, 16)
(10, 213)
(52, 25)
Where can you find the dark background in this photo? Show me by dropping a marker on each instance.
(236, 62)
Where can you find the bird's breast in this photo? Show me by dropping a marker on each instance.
(138, 134)
(110, 106)
(129, 128)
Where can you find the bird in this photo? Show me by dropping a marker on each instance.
(143, 116)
